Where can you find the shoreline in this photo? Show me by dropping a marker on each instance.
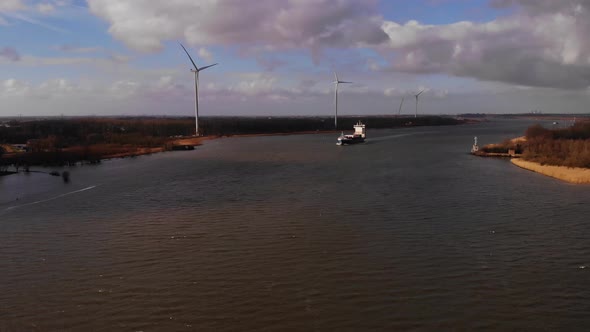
(495, 154)
(568, 174)
(188, 141)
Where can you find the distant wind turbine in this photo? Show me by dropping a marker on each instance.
(196, 71)
(337, 81)
(418, 95)
(400, 106)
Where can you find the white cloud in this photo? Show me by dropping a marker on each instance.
(124, 89)
(270, 24)
(205, 54)
(254, 84)
(78, 49)
(13, 87)
(45, 8)
(11, 5)
(393, 92)
(535, 47)
(56, 88)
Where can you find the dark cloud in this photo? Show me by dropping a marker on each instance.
(10, 54)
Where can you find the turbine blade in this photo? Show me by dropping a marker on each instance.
(203, 68)
(343, 82)
(336, 76)
(418, 95)
(189, 56)
(400, 106)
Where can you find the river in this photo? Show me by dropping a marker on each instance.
(294, 233)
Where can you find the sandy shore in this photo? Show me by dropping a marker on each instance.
(568, 174)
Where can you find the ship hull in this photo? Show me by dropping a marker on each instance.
(349, 141)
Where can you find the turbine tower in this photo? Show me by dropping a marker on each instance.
(337, 81)
(400, 106)
(196, 71)
(418, 95)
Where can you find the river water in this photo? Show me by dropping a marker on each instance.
(294, 233)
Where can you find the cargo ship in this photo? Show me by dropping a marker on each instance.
(358, 136)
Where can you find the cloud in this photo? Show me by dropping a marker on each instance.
(544, 45)
(263, 24)
(205, 54)
(254, 84)
(31, 20)
(543, 6)
(56, 88)
(10, 54)
(77, 49)
(13, 87)
(45, 8)
(270, 64)
(11, 5)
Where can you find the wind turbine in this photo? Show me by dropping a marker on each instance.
(400, 106)
(196, 71)
(337, 81)
(418, 95)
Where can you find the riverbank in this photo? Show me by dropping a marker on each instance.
(99, 152)
(496, 154)
(568, 174)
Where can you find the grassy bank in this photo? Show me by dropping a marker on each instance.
(568, 174)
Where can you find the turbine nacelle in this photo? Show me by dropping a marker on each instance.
(337, 81)
(196, 69)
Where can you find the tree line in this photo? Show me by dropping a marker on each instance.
(561, 147)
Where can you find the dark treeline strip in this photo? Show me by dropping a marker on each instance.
(93, 130)
(268, 125)
(132, 130)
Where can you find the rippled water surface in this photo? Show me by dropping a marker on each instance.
(294, 233)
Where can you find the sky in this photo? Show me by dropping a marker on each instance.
(278, 57)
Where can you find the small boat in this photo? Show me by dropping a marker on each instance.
(358, 136)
